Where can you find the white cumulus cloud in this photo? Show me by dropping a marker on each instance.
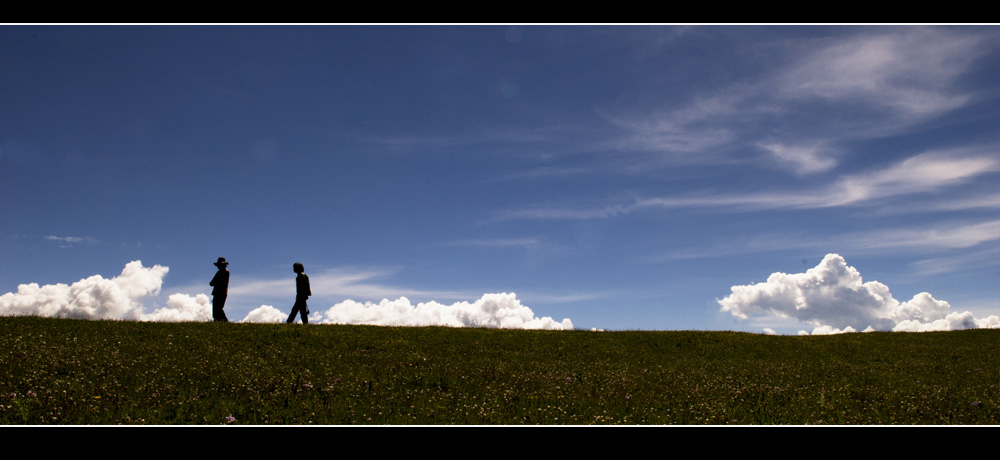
(91, 298)
(265, 314)
(491, 310)
(182, 307)
(833, 299)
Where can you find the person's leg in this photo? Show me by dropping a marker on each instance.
(217, 304)
(222, 312)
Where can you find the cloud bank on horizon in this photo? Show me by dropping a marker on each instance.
(501, 310)
(832, 298)
(121, 297)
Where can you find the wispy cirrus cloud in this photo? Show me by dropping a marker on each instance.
(924, 173)
(337, 283)
(699, 127)
(802, 159)
(950, 236)
(534, 246)
(980, 258)
(909, 70)
(512, 243)
(329, 284)
(974, 201)
(890, 79)
(69, 241)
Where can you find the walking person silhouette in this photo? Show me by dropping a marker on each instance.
(302, 293)
(220, 289)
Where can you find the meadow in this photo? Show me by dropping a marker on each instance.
(73, 372)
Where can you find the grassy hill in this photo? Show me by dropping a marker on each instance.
(60, 371)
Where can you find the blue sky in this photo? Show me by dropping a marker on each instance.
(623, 177)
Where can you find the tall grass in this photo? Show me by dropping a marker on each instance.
(60, 371)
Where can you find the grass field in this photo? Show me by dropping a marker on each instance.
(70, 372)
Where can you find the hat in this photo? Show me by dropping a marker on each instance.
(221, 262)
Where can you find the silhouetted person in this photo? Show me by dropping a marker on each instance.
(220, 289)
(302, 293)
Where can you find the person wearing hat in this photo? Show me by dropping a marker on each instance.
(220, 288)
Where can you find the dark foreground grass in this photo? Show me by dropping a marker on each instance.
(59, 371)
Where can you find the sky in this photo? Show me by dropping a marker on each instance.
(780, 179)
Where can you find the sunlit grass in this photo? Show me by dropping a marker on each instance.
(58, 371)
